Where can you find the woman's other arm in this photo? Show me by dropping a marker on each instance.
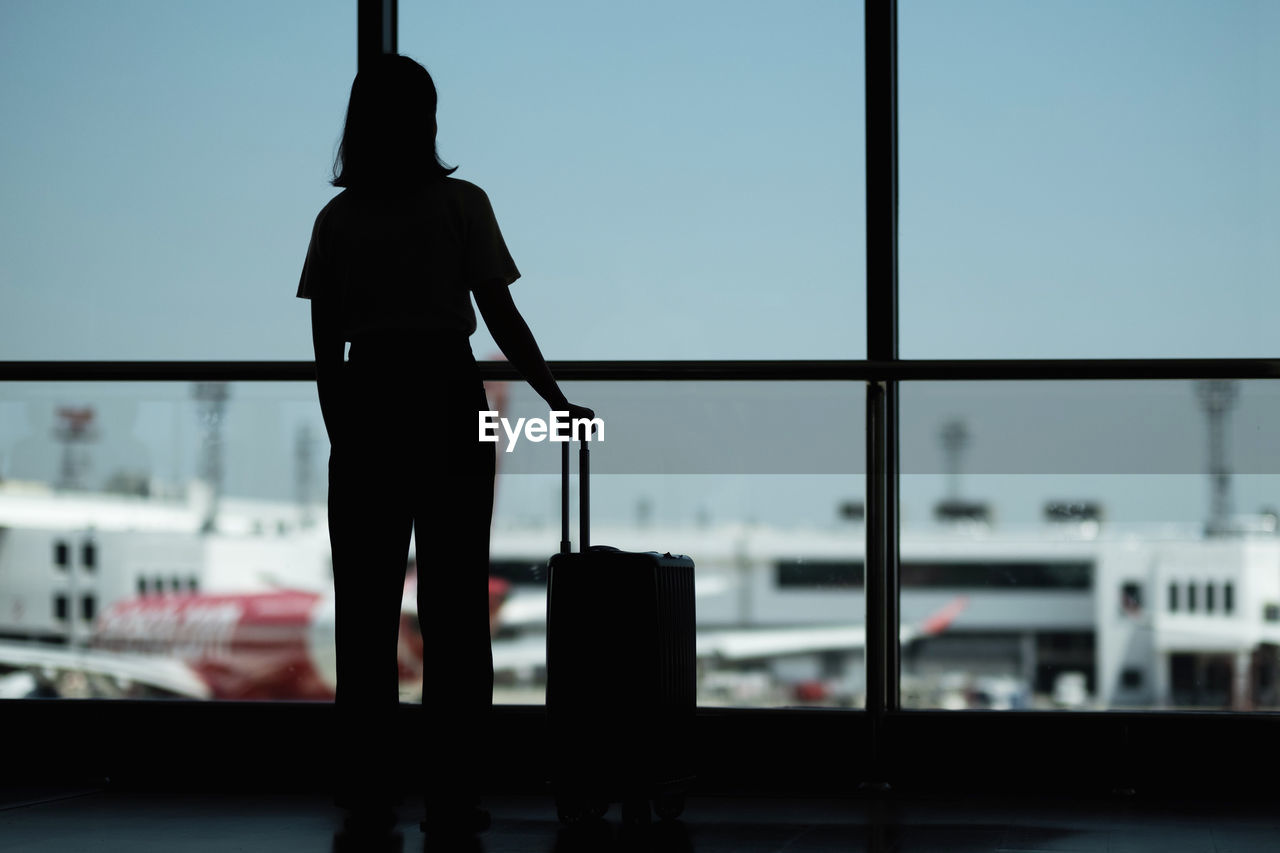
(326, 337)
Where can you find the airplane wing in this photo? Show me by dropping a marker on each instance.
(728, 645)
(741, 644)
(165, 674)
(758, 643)
(754, 643)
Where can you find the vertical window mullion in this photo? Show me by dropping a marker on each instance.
(377, 29)
(880, 34)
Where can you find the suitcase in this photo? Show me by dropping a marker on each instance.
(621, 679)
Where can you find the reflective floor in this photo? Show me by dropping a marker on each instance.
(105, 820)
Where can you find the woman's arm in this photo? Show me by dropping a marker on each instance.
(511, 334)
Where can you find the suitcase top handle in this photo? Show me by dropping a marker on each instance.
(584, 497)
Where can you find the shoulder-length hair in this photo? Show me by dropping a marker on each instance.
(388, 139)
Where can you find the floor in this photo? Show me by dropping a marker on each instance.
(41, 820)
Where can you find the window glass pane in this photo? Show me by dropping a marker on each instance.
(674, 180)
(1112, 566)
(1089, 179)
(163, 164)
(774, 527)
(128, 497)
(769, 510)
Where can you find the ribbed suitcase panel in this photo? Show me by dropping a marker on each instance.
(677, 678)
(621, 676)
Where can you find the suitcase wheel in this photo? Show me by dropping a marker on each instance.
(635, 811)
(669, 806)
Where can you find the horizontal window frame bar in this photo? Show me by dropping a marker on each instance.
(1077, 751)
(902, 370)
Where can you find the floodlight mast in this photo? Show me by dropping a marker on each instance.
(211, 401)
(1217, 398)
(955, 438)
(75, 428)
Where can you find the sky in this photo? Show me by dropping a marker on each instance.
(675, 180)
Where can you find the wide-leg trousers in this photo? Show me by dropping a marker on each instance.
(407, 458)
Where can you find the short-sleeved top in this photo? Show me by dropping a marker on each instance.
(406, 263)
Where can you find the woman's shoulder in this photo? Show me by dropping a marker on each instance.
(334, 206)
(465, 190)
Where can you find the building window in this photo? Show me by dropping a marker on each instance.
(1208, 598)
(60, 606)
(1271, 612)
(1131, 598)
(816, 574)
(61, 554)
(1228, 597)
(175, 584)
(89, 556)
(1131, 678)
(1011, 574)
(88, 608)
(157, 585)
(142, 586)
(1191, 598)
(192, 584)
(1173, 598)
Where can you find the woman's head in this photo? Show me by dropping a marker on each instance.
(389, 138)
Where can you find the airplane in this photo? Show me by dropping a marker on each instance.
(279, 645)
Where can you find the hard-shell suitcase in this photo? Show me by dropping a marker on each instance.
(621, 679)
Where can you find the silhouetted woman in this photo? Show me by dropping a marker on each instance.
(393, 263)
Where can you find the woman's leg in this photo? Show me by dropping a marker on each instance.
(452, 521)
(369, 526)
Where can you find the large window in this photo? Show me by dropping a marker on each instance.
(188, 522)
(1089, 179)
(897, 528)
(1110, 513)
(162, 164)
(674, 180)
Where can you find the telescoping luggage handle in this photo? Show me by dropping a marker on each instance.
(584, 497)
